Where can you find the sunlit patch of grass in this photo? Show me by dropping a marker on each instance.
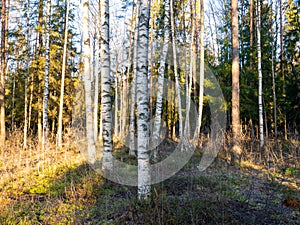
(251, 165)
(66, 190)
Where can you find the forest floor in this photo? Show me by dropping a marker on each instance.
(65, 190)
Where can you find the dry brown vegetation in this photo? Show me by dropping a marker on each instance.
(56, 186)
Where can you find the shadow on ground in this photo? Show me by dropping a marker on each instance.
(76, 194)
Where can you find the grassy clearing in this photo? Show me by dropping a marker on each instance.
(63, 189)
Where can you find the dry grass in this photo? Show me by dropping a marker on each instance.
(56, 186)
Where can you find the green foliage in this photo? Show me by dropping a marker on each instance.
(292, 171)
(28, 64)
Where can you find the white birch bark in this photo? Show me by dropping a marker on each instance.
(175, 67)
(201, 84)
(116, 125)
(46, 77)
(274, 95)
(126, 99)
(192, 70)
(88, 85)
(161, 73)
(106, 84)
(3, 72)
(96, 75)
(124, 103)
(260, 102)
(26, 78)
(144, 176)
(62, 86)
(132, 142)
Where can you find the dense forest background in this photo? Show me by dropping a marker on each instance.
(125, 75)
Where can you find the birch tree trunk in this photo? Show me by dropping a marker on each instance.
(144, 176)
(87, 85)
(27, 77)
(124, 103)
(201, 85)
(46, 77)
(274, 94)
(175, 67)
(216, 31)
(236, 127)
(105, 94)
(132, 143)
(96, 74)
(260, 101)
(251, 33)
(3, 72)
(126, 100)
(116, 125)
(192, 72)
(62, 86)
(161, 73)
(282, 68)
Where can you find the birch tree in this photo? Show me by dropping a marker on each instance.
(235, 113)
(133, 86)
(46, 77)
(38, 78)
(144, 176)
(282, 68)
(87, 85)
(260, 100)
(273, 64)
(192, 72)
(175, 66)
(251, 32)
(27, 77)
(63, 74)
(106, 84)
(3, 71)
(201, 84)
(161, 73)
(96, 73)
(274, 94)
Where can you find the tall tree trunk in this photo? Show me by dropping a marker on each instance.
(124, 103)
(251, 33)
(201, 85)
(282, 61)
(30, 100)
(175, 67)
(19, 25)
(63, 74)
(116, 125)
(192, 72)
(126, 100)
(132, 144)
(144, 176)
(274, 94)
(46, 77)
(260, 100)
(152, 23)
(27, 77)
(88, 85)
(96, 98)
(96, 73)
(39, 73)
(161, 73)
(106, 84)
(216, 31)
(32, 80)
(235, 101)
(3, 72)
